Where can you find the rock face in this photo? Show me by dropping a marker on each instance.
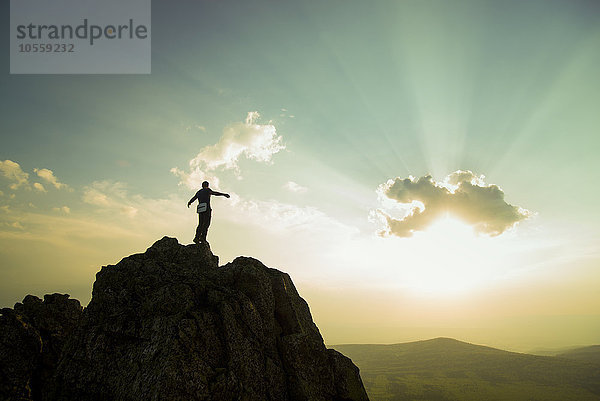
(169, 324)
(32, 337)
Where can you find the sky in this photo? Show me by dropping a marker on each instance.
(419, 168)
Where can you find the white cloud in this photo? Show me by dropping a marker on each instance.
(14, 173)
(195, 127)
(110, 195)
(284, 220)
(49, 176)
(115, 204)
(195, 177)
(255, 141)
(39, 187)
(108, 214)
(294, 187)
(114, 201)
(247, 139)
(277, 215)
(461, 194)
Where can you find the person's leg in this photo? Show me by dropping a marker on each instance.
(198, 229)
(205, 224)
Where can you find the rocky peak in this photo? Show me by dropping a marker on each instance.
(169, 324)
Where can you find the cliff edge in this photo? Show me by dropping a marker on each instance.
(170, 324)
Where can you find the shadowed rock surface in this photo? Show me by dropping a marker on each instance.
(32, 336)
(169, 324)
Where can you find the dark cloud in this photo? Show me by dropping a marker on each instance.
(462, 195)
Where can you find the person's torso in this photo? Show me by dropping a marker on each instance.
(203, 196)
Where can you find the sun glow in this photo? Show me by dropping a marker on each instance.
(446, 260)
(447, 257)
(450, 258)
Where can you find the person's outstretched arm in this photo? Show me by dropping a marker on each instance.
(219, 194)
(193, 199)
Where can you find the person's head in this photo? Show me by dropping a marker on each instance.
(205, 184)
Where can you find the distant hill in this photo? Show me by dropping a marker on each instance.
(444, 369)
(550, 351)
(583, 354)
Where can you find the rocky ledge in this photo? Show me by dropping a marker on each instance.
(170, 324)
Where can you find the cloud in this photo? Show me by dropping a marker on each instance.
(284, 219)
(39, 187)
(461, 194)
(49, 176)
(13, 172)
(254, 141)
(114, 201)
(110, 196)
(109, 213)
(18, 225)
(195, 127)
(294, 187)
(194, 178)
(247, 139)
(94, 194)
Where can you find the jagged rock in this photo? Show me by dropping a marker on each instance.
(31, 340)
(169, 324)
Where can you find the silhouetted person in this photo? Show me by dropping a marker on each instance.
(204, 210)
